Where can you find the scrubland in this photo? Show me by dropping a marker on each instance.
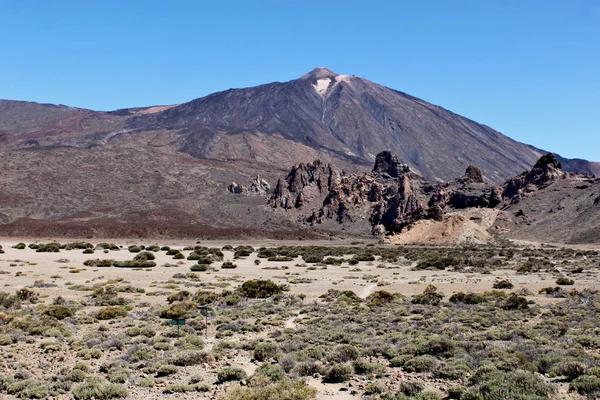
(297, 321)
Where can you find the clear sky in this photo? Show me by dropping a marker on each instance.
(528, 68)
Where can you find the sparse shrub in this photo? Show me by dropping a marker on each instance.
(228, 374)
(111, 312)
(338, 373)
(381, 297)
(241, 253)
(134, 264)
(166, 370)
(281, 390)
(178, 309)
(265, 350)
(343, 353)
(98, 389)
(429, 296)
(424, 363)
(259, 289)
(58, 312)
(228, 265)
(98, 263)
(503, 284)
(5, 339)
(569, 369)
(492, 384)
(179, 296)
(144, 256)
(374, 388)
(272, 371)
(191, 357)
(27, 295)
(515, 302)
(411, 388)
(134, 249)
(565, 281)
(586, 385)
(467, 298)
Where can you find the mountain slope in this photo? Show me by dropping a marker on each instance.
(350, 118)
(166, 169)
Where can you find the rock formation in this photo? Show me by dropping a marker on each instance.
(391, 197)
(257, 186)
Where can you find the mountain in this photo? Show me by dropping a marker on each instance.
(165, 170)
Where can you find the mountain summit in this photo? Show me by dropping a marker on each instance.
(166, 169)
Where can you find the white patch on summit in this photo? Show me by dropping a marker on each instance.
(322, 85)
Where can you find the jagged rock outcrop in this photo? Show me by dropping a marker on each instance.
(391, 197)
(395, 199)
(387, 163)
(237, 188)
(545, 171)
(303, 184)
(257, 186)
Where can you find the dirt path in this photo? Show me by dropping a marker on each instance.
(367, 290)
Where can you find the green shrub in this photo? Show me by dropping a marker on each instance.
(241, 253)
(134, 248)
(98, 389)
(184, 388)
(411, 388)
(259, 289)
(5, 339)
(166, 370)
(228, 265)
(19, 246)
(59, 312)
(98, 263)
(272, 371)
(568, 369)
(503, 284)
(515, 302)
(565, 281)
(111, 312)
(424, 363)
(134, 264)
(228, 374)
(281, 390)
(338, 373)
(199, 267)
(430, 296)
(343, 353)
(144, 256)
(264, 351)
(586, 385)
(467, 298)
(518, 385)
(187, 358)
(374, 388)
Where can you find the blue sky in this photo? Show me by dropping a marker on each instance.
(528, 68)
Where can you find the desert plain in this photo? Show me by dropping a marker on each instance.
(355, 319)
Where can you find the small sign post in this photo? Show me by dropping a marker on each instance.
(205, 308)
(178, 322)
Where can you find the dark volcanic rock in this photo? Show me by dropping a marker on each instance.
(545, 171)
(304, 183)
(392, 196)
(387, 162)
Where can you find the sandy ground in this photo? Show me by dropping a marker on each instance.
(22, 268)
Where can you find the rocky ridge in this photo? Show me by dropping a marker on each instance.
(393, 197)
